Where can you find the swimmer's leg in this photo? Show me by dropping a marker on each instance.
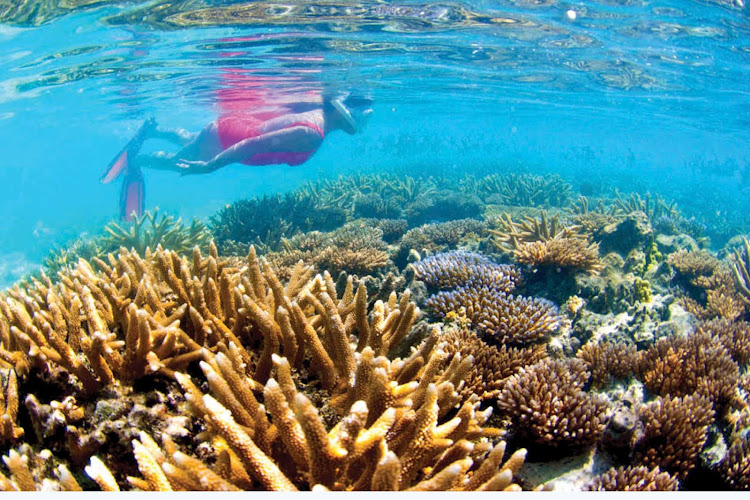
(132, 194)
(121, 162)
(178, 136)
(203, 146)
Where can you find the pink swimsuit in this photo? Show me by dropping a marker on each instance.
(237, 127)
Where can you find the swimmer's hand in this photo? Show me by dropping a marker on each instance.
(192, 167)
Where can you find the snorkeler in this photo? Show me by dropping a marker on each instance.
(282, 133)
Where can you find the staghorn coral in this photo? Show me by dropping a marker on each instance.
(150, 231)
(502, 318)
(674, 432)
(654, 206)
(383, 424)
(733, 335)
(712, 290)
(634, 479)
(265, 221)
(735, 467)
(393, 229)
(547, 406)
(693, 265)
(527, 189)
(145, 232)
(741, 270)
(563, 253)
(607, 359)
(697, 363)
(546, 244)
(492, 365)
(434, 238)
(9, 429)
(443, 206)
(454, 269)
(30, 471)
(373, 205)
(355, 248)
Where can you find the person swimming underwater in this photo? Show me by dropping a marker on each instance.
(281, 133)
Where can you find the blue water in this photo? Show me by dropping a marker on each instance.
(639, 95)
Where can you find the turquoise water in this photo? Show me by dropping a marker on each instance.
(637, 95)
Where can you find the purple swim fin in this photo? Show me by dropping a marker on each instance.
(122, 160)
(132, 195)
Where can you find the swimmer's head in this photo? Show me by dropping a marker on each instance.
(354, 111)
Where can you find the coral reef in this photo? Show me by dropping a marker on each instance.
(546, 244)
(735, 468)
(546, 405)
(654, 206)
(265, 221)
(454, 269)
(606, 360)
(435, 238)
(492, 364)
(695, 364)
(634, 479)
(265, 353)
(354, 248)
(527, 190)
(502, 318)
(443, 206)
(300, 359)
(145, 232)
(733, 335)
(708, 283)
(674, 432)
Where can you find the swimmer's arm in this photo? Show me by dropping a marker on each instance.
(298, 139)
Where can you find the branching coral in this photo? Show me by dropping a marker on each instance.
(546, 405)
(31, 471)
(741, 269)
(443, 206)
(674, 432)
(502, 318)
(634, 479)
(145, 232)
(442, 237)
(545, 243)
(735, 468)
(679, 366)
(527, 189)
(354, 248)
(262, 348)
(265, 221)
(492, 365)
(654, 206)
(9, 429)
(561, 253)
(734, 335)
(710, 281)
(608, 359)
(454, 269)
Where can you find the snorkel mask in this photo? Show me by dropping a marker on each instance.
(354, 110)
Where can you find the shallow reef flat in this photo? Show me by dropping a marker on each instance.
(386, 332)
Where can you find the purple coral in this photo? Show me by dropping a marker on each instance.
(454, 269)
(502, 317)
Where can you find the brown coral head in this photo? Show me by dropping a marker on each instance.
(547, 406)
(674, 432)
(632, 478)
(696, 363)
(502, 318)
